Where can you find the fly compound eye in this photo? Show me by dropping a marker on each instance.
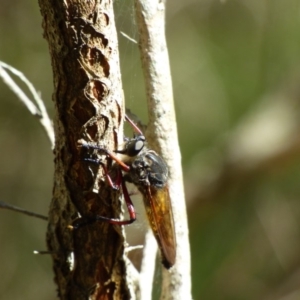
(133, 146)
(139, 144)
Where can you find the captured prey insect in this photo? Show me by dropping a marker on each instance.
(148, 171)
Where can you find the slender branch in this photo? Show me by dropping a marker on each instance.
(22, 210)
(38, 109)
(147, 266)
(41, 252)
(128, 37)
(162, 134)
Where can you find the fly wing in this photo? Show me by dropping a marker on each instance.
(160, 215)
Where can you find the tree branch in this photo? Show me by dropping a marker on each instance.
(38, 110)
(22, 211)
(162, 134)
(89, 106)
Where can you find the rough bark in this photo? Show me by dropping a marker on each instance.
(88, 106)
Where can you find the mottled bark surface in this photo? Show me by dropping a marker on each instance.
(88, 106)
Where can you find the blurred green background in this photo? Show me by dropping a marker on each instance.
(236, 74)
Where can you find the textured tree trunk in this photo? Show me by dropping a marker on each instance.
(88, 107)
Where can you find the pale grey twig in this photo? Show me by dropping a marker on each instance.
(147, 266)
(128, 37)
(38, 109)
(162, 134)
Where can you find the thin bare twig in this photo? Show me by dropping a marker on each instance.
(22, 210)
(41, 252)
(38, 109)
(147, 266)
(162, 134)
(128, 37)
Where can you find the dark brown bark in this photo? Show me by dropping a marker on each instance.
(88, 106)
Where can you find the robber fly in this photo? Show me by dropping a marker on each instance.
(149, 172)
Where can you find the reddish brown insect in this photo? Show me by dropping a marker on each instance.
(149, 172)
